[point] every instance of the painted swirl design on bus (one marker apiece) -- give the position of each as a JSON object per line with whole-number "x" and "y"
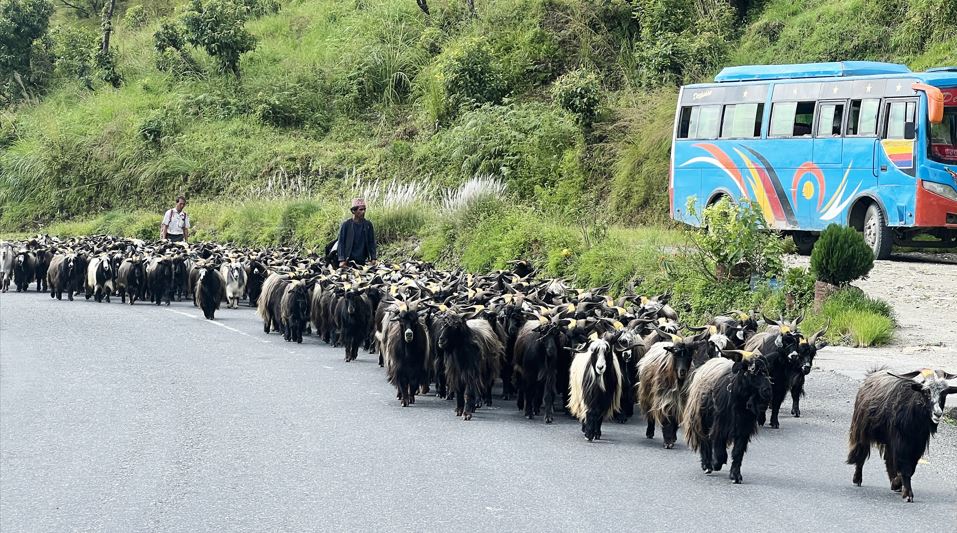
{"x": 760, "y": 183}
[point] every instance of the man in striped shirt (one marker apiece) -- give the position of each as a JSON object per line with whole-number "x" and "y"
{"x": 176, "y": 222}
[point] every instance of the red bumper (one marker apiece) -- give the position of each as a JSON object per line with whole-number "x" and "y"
{"x": 933, "y": 210}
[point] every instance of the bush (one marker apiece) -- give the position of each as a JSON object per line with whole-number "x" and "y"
{"x": 854, "y": 318}
{"x": 841, "y": 256}
{"x": 579, "y": 93}
{"x": 735, "y": 237}
{"x": 463, "y": 76}
{"x": 535, "y": 149}
{"x": 22, "y": 23}
{"x": 297, "y": 104}
{"x": 218, "y": 27}
{"x": 135, "y": 17}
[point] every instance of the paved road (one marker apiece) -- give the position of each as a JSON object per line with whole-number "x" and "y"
{"x": 115, "y": 418}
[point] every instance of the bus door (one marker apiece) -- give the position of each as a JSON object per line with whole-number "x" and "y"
{"x": 828, "y": 138}
{"x": 894, "y": 161}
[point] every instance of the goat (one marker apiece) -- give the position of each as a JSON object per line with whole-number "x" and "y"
{"x": 294, "y": 310}
{"x": 269, "y": 307}
{"x": 159, "y": 277}
{"x": 472, "y": 354}
{"x": 536, "y": 350}
{"x": 595, "y": 387}
{"x": 353, "y": 318}
{"x": 6, "y": 266}
{"x": 724, "y": 400}
{"x": 898, "y": 413}
{"x": 405, "y": 342}
{"x": 99, "y": 278}
{"x": 208, "y": 292}
{"x": 662, "y": 384}
{"x": 43, "y": 266}
{"x": 234, "y": 277}
{"x": 256, "y": 275}
{"x": 780, "y": 351}
{"x": 61, "y": 276}
{"x": 131, "y": 279}
{"x": 180, "y": 283}
{"x": 511, "y": 318}
{"x": 807, "y": 349}
{"x": 24, "y": 269}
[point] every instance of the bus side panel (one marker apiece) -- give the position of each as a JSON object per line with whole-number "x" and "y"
{"x": 894, "y": 161}
{"x": 686, "y": 182}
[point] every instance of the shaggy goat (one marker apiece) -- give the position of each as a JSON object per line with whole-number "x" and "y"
{"x": 208, "y": 292}
{"x": 405, "y": 343}
{"x": 595, "y": 387}
{"x": 131, "y": 279}
{"x": 6, "y": 266}
{"x": 294, "y": 310}
{"x": 537, "y": 348}
{"x": 99, "y": 278}
{"x": 662, "y": 384}
{"x": 61, "y": 276}
{"x": 724, "y": 400}
{"x": 472, "y": 354}
{"x": 898, "y": 413}
{"x": 270, "y": 300}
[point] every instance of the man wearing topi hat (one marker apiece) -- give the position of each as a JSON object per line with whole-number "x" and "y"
{"x": 356, "y": 237}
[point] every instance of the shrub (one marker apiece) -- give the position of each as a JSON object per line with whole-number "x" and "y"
{"x": 135, "y": 17}
{"x": 22, "y": 23}
{"x": 218, "y": 27}
{"x": 736, "y": 237}
{"x": 172, "y": 56}
{"x": 579, "y": 93}
{"x": 463, "y": 76}
{"x": 854, "y": 319}
{"x": 293, "y": 105}
{"x": 76, "y": 50}
{"x": 841, "y": 256}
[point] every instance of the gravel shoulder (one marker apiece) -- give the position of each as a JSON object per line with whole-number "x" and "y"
{"x": 922, "y": 289}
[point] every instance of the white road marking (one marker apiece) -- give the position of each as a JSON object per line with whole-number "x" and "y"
{"x": 220, "y": 324}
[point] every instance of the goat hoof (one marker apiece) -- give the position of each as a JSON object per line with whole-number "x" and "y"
{"x": 775, "y": 426}
{"x": 548, "y": 420}
{"x": 669, "y": 445}
{"x": 467, "y": 416}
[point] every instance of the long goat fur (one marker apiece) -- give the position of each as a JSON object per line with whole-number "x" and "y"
{"x": 702, "y": 383}
{"x": 584, "y": 378}
{"x": 660, "y": 396}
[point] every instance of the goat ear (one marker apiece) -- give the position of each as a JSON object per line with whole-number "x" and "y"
{"x": 734, "y": 355}
{"x": 951, "y": 389}
{"x": 948, "y": 375}
{"x": 908, "y": 375}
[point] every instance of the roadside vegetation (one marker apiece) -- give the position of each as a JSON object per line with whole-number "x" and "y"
{"x": 268, "y": 114}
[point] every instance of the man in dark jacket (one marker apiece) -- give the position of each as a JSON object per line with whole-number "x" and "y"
{"x": 356, "y": 237}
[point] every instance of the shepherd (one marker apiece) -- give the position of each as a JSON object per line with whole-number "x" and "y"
{"x": 356, "y": 241}
{"x": 176, "y": 222}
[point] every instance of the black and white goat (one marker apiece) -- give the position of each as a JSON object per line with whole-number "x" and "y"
{"x": 99, "y": 278}
{"x": 61, "y": 276}
{"x": 208, "y": 292}
{"x": 595, "y": 387}
{"x": 234, "y": 276}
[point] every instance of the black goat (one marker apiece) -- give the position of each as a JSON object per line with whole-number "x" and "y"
{"x": 353, "y": 319}
{"x": 294, "y": 310}
{"x": 61, "y": 276}
{"x": 159, "y": 277}
{"x": 405, "y": 342}
{"x": 131, "y": 279}
{"x": 256, "y": 275}
{"x": 536, "y": 367}
{"x": 24, "y": 269}
{"x": 43, "y": 266}
{"x": 898, "y": 413}
{"x": 724, "y": 400}
{"x": 807, "y": 349}
{"x": 511, "y": 318}
{"x": 472, "y": 354}
{"x": 780, "y": 352}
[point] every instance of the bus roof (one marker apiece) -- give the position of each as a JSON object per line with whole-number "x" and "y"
{"x": 839, "y": 69}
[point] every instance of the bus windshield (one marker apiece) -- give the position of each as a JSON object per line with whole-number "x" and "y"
{"x": 943, "y": 137}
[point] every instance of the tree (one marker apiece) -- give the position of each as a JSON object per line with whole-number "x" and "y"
{"x": 218, "y": 27}
{"x": 22, "y": 22}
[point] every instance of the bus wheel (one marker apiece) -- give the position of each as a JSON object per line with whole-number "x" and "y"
{"x": 876, "y": 233}
{"x": 804, "y": 240}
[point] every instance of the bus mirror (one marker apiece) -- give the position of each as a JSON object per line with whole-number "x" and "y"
{"x": 910, "y": 130}
{"x": 935, "y": 102}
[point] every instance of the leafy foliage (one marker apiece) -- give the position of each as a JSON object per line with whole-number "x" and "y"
{"x": 579, "y": 93}
{"x": 136, "y": 17}
{"x": 218, "y": 27}
{"x": 464, "y": 76}
{"x": 841, "y": 256}
{"x": 22, "y": 23}
{"x": 736, "y": 236}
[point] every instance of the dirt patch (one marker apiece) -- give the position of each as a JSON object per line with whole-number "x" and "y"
{"x": 922, "y": 289}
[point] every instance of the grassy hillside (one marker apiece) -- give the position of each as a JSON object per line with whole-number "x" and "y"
{"x": 340, "y": 89}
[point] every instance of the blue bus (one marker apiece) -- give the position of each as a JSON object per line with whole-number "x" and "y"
{"x": 865, "y": 144}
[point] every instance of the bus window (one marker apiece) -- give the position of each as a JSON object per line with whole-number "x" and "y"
{"x": 863, "y": 117}
{"x": 791, "y": 119}
{"x": 684, "y": 122}
{"x": 705, "y": 122}
{"x": 898, "y": 115}
{"x": 830, "y": 119}
{"x": 742, "y": 120}
{"x": 943, "y": 138}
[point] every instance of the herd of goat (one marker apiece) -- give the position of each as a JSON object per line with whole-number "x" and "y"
{"x": 547, "y": 342}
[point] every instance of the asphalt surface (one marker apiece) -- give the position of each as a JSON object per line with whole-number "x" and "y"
{"x": 145, "y": 418}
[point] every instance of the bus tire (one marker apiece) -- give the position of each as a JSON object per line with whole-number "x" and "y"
{"x": 876, "y": 232}
{"x": 804, "y": 241}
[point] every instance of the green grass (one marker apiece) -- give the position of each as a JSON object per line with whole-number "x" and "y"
{"x": 855, "y": 319}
